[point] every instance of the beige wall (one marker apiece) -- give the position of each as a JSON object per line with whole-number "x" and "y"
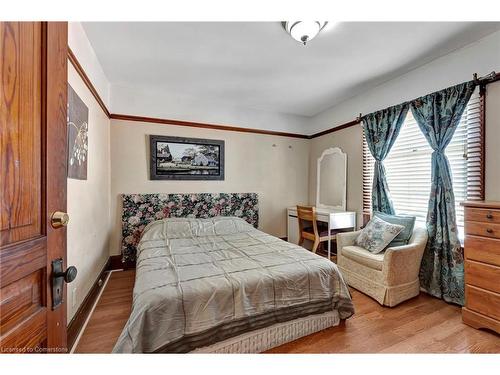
{"x": 350, "y": 141}
{"x": 88, "y": 203}
{"x": 493, "y": 142}
{"x": 278, "y": 174}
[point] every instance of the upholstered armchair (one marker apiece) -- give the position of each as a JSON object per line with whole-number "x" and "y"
{"x": 390, "y": 277}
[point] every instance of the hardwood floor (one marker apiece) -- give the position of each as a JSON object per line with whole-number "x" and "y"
{"x": 110, "y": 314}
{"x": 421, "y": 325}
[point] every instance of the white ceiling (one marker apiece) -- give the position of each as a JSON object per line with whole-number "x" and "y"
{"x": 257, "y": 65}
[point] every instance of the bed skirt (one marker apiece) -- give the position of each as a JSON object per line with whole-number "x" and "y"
{"x": 263, "y": 339}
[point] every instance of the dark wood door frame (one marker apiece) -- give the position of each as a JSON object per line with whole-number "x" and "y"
{"x": 56, "y": 165}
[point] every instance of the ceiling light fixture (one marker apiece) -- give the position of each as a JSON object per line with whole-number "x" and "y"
{"x": 303, "y": 31}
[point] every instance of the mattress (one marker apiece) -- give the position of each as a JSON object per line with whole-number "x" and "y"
{"x": 203, "y": 281}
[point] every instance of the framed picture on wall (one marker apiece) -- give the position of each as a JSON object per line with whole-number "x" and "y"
{"x": 178, "y": 158}
{"x": 78, "y": 126}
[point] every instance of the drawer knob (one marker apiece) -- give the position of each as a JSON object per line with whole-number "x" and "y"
{"x": 489, "y": 216}
{"x": 489, "y": 230}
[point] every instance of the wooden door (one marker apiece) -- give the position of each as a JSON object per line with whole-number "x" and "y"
{"x": 33, "y": 91}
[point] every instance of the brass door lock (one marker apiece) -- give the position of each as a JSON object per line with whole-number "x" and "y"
{"x": 59, "y": 219}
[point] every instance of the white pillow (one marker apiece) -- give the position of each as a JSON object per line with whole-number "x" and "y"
{"x": 377, "y": 234}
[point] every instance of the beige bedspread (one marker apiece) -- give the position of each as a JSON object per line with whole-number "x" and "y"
{"x": 199, "y": 281}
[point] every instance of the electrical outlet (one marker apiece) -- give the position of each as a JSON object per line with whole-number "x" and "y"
{"x": 73, "y": 298}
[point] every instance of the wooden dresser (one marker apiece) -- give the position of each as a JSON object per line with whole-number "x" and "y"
{"x": 482, "y": 265}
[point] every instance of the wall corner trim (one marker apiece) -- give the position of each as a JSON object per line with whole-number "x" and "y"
{"x": 78, "y": 67}
{"x": 337, "y": 128}
{"x": 163, "y": 121}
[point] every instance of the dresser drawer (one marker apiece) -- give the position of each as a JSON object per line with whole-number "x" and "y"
{"x": 482, "y": 275}
{"x": 482, "y": 214}
{"x": 482, "y": 301}
{"x": 482, "y": 249}
{"x": 478, "y": 321}
{"x": 482, "y": 229}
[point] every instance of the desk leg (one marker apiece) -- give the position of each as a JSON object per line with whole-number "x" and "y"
{"x": 329, "y": 238}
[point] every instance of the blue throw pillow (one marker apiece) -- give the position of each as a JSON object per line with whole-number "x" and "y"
{"x": 377, "y": 234}
{"x": 407, "y": 221}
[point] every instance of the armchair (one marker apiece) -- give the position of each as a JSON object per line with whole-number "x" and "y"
{"x": 390, "y": 277}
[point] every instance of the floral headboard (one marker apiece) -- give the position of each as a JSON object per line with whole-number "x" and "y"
{"x": 141, "y": 209}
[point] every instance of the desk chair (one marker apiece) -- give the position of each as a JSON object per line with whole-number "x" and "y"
{"x": 309, "y": 229}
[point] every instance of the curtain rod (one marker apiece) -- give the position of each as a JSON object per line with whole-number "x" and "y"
{"x": 488, "y": 78}
{"x": 484, "y": 80}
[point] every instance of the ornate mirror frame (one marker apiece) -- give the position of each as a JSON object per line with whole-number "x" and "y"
{"x": 332, "y": 151}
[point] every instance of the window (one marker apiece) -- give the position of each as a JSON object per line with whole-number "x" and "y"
{"x": 408, "y": 166}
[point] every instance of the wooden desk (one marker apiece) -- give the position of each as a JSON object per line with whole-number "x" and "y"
{"x": 334, "y": 218}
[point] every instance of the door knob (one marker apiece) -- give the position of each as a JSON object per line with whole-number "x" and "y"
{"x": 58, "y": 276}
{"x": 59, "y": 219}
{"x": 69, "y": 275}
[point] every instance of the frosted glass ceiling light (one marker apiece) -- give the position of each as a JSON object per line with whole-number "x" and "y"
{"x": 303, "y": 31}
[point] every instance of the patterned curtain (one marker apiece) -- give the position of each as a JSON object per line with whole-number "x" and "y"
{"x": 442, "y": 269}
{"x": 381, "y": 130}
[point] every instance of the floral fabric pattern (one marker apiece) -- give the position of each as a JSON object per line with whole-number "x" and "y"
{"x": 442, "y": 269}
{"x": 381, "y": 130}
{"x": 377, "y": 234}
{"x": 141, "y": 209}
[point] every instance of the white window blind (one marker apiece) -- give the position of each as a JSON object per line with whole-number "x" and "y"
{"x": 408, "y": 166}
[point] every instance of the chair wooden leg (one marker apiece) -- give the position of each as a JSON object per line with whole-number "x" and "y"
{"x": 315, "y": 246}
{"x": 301, "y": 241}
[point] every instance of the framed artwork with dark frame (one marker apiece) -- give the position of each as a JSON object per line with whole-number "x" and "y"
{"x": 179, "y": 158}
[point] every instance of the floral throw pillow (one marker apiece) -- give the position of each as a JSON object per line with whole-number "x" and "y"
{"x": 377, "y": 234}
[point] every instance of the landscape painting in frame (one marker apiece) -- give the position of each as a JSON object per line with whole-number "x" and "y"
{"x": 178, "y": 158}
{"x": 78, "y": 126}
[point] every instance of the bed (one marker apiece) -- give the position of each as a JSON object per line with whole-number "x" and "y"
{"x": 219, "y": 285}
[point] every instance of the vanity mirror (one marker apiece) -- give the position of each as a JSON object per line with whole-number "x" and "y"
{"x": 331, "y": 179}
